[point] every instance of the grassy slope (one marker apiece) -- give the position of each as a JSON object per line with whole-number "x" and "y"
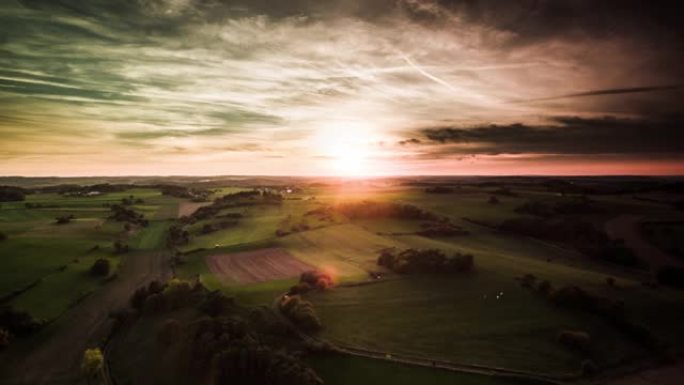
{"x": 343, "y": 370}
{"x": 61, "y": 255}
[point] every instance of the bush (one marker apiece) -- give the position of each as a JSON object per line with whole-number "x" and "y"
{"x": 575, "y": 339}
{"x": 4, "y": 338}
{"x": 100, "y": 268}
{"x": 300, "y": 312}
{"x": 672, "y": 276}
{"x": 92, "y": 363}
{"x": 18, "y": 322}
{"x": 64, "y": 219}
{"x": 589, "y": 367}
{"x": 425, "y": 261}
{"x": 544, "y": 287}
{"x": 2, "y": 236}
{"x": 528, "y": 280}
{"x": 169, "y": 332}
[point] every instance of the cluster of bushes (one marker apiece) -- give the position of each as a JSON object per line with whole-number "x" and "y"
{"x": 237, "y": 199}
{"x": 124, "y": 214}
{"x": 12, "y": 194}
{"x": 425, "y": 261}
{"x": 131, "y": 200}
{"x": 196, "y": 195}
{"x": 212, "y": 227}
{"x": 441, "y": 229}
{"x": 177, "y": 236}
{"x": 100, "y": 267}
{"x": 439, "y": 190}
{"x": 78, "y": 190}
{"x": 235, "y": 353}
{"x": 581, "y": 235}
{"x": 64, "y": 219}
{"x": 161, "y": 297}
{"x": 223, "y": 343}
{"x": 371, "y": 210}
{"x": 15, "y": 322}
{"x": 323, "y": 213}
{"x": 505, "y": 191}
{"x": 120, "y": 247}
{"x": 312, "y": 279}
{"x": 612, "y": 311}
{"x": 300, "y": 312}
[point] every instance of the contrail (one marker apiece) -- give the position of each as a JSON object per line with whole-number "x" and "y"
{"x": 428, "y": 75}
{"x": 609, "y": 91}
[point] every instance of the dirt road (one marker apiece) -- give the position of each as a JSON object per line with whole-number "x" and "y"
{"x": 57, "y": 359}
{"x": 626, "y": 227}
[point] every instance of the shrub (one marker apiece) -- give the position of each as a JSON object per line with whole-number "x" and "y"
{"x": 169, "y": 332}
{"x": 4, "y": 338}
{"x": 64, "y": 219}
{"x": 671, "y": 276}
{"x": 610, "y": 281}
{"x": 425, "y": 261}
{"x": 588, "y": 367}
{"x": 17, "y": 322}
{"x": 575, "y": 339}
{"x": 528, "y": 280}
{"x": 100, "y": 268}
{"x": 300, "y": 312}
{"x": 317, "y": 279}
{"x": 2, "y": 236}
{"x": 92, "y": 363}
{"x": 544, "y": 287}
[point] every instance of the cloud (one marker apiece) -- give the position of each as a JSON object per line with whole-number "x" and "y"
{"x": 564, "y": 135}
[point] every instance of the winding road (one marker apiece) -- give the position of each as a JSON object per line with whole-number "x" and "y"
{"x": 57, "y": 359}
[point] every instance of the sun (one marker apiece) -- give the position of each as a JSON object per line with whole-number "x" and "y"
{"x": 346, "y": 147}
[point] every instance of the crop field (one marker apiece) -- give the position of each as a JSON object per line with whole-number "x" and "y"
{"x": 255, "y": 266}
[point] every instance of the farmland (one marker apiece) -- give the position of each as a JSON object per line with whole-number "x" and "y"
{"x": 252, "y": 245}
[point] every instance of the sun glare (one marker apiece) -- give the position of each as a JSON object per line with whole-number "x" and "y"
{"x": 346, "y": 145}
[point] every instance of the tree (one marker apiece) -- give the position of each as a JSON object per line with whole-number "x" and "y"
{"x": 92, "y": 364}
{"x": 100, "y": 268}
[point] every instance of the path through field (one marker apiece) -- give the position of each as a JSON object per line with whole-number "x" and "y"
{"x": 57, "y": 359}
{"x": 626, "y": 227}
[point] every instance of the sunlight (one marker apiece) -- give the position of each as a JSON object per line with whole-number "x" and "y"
{"x": 346, "y": 145}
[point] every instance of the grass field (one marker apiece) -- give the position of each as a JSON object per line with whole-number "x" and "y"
{"x": 56, "y": 258}
{"x": 343, "y": 370}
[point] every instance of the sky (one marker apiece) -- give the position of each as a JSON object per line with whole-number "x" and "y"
{"x": 341, "y": 87}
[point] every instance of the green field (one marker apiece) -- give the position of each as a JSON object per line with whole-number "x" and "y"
{"x": 343, "y": 370}
{"x": 55, "y": 259}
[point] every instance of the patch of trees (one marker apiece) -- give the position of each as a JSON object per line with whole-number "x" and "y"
{"x": 12, "y": 194}
{"x": 196, "y": 195}
{"x": 579, "y": 234}
{"x": 439, "y": 190}
{"x": 440, "y": 229}
{"x": 612, "y": 311}
{"x": 121, "y": 213}
{"x": 3, "y": 236}
{"x": 64, "y": 219}
{"x": 162, "y": 297}
{"x": 372, "y": 210}
{"x": 672, "y": 276}
{"x": 100, "y": 268}
{"x": 582, "y": 205}
{"x": 212, "y": 227}
{"x": 238, "y": 199}
{"x": 131, "y": 200}
{"x": 224, "y": 343}
{"x": 78, "y": 190}
{"x": 312, "y": 279}
{"x": 120, "y": 247}
{"x": 17, "y": 322}
{"x": 177, "y": 236}
{"x": 425, "y": 261}
{"x": 301, "y": 312}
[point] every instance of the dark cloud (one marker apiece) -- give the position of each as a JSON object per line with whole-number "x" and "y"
{"x": 565, "y": 135}
{"x": 613, "y": 91}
